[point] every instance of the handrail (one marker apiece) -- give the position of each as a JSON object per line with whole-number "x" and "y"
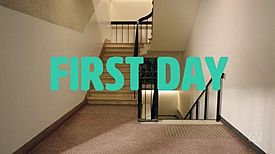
{"x": 196, "y": 104}
{"x": 197, "y": 100}
{"x": 146, "y": 17}
{"x": 136, "y": 49}
{"x": 129, "y": 22}
{"x": 154, "y": 112}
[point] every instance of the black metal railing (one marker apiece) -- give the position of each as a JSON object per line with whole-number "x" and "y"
{"x": 125, "y": 31}
{"x": 197, "y": 106}
{"x": 148, "y": 111}
{"x": 140, "y": 32}
{"x": 137, "y": 38}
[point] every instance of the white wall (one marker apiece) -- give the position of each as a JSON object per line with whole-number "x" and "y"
{"x": 26, "y": 43}
{"x": 243, "y": 30}
{"x": 172, "y": 23}
{"x": 130, "y": 9}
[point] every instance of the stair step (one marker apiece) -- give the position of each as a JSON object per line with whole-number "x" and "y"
{"x": 122, "y": 69}
{"x": 111, "y": 96}
{"x": 121, "y": 45}
{"x": 125, "y": 74}
{"x": 112, "y": 93}
{"x": 117, "y": 101}
{"x": 118, "y": 54}
{"x": 126, "y": 87}
{"x": 116, "y": 50}
{"x": 104, "y": 59}
{"x": 119, "y": 66}
{"x": 112, "y": 80}
{"x": 130, "y": 47}
{"x": 105, "y": 91}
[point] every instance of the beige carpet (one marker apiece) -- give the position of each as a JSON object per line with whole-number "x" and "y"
{"x": 113, "y": 129}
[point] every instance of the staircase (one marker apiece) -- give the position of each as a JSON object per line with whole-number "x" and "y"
{"x": 125, "y": 96}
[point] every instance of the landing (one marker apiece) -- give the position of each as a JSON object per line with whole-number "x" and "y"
{"x": 113, "y": 129}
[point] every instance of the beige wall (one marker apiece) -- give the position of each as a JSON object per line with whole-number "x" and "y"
{"x": 167, "y": 105}
{"x": 244, "y": 31}
{"x": 173, "y": 21}
{"x": 73, "y": 14}
{"x": 26, "y": 43}
{"x": 130, "y": 9}
{"x": 168, "y": 102}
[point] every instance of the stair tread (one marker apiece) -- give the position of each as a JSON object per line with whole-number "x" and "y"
{"x": 123, "y": 71}
{"x": 119, "y": 49}
{"x": 106, "y": 56}
{"x": 112, "y": 99}
{"x": 109, "y": 77}
{"x": 120, "y": 65}
{"x": 128, "y": 46}
{"x": 115, "y": 51}
{"x": 119, "y": 91}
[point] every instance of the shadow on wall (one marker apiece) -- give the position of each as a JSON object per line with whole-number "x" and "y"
{"x": 72, "y": 14}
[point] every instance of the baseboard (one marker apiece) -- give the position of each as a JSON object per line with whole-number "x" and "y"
{"x": 253, "y": 146}
{"x": 49, "y": 130}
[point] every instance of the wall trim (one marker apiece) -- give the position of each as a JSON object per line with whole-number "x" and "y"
{"x": 27, "y": 147}
{"x": 253, "y": 146}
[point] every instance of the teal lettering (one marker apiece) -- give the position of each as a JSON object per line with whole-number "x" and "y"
{"x": 216, "y": 72}
{"x": 74, "y": 78}
{"x": 94, "y": 76}
{"x": 56, "y": 73}
{"x": 134, "y": 71}
{"x": 115, "y": 73}
{"x": 189, "y": 78}
{"x": 174, "y": 73}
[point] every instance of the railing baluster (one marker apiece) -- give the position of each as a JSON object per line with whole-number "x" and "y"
{"x": 218, "y": 117}
{"x": 206, "y": 104}
{"x": 197, "y": 111}
{"x": 122, "y": 33}
{"x": 134, "y": 32}
{"x": 156, "y": 100}
{"x": 140, "y": 100}
{"x": 136, "y": 50}
{"x": 116, "y": 33}
{"x": 146, "y": 41}
{"x": 144, "y": 29}
{"x": 145, "y": 101}
{"x": 152, "y": 102}
{"x": 140, "y": 31}
{"x": 219, "y": 99}
{"x": 128, "y": 34}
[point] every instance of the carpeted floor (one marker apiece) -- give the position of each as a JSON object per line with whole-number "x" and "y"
{"x": 113, "y": 129}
